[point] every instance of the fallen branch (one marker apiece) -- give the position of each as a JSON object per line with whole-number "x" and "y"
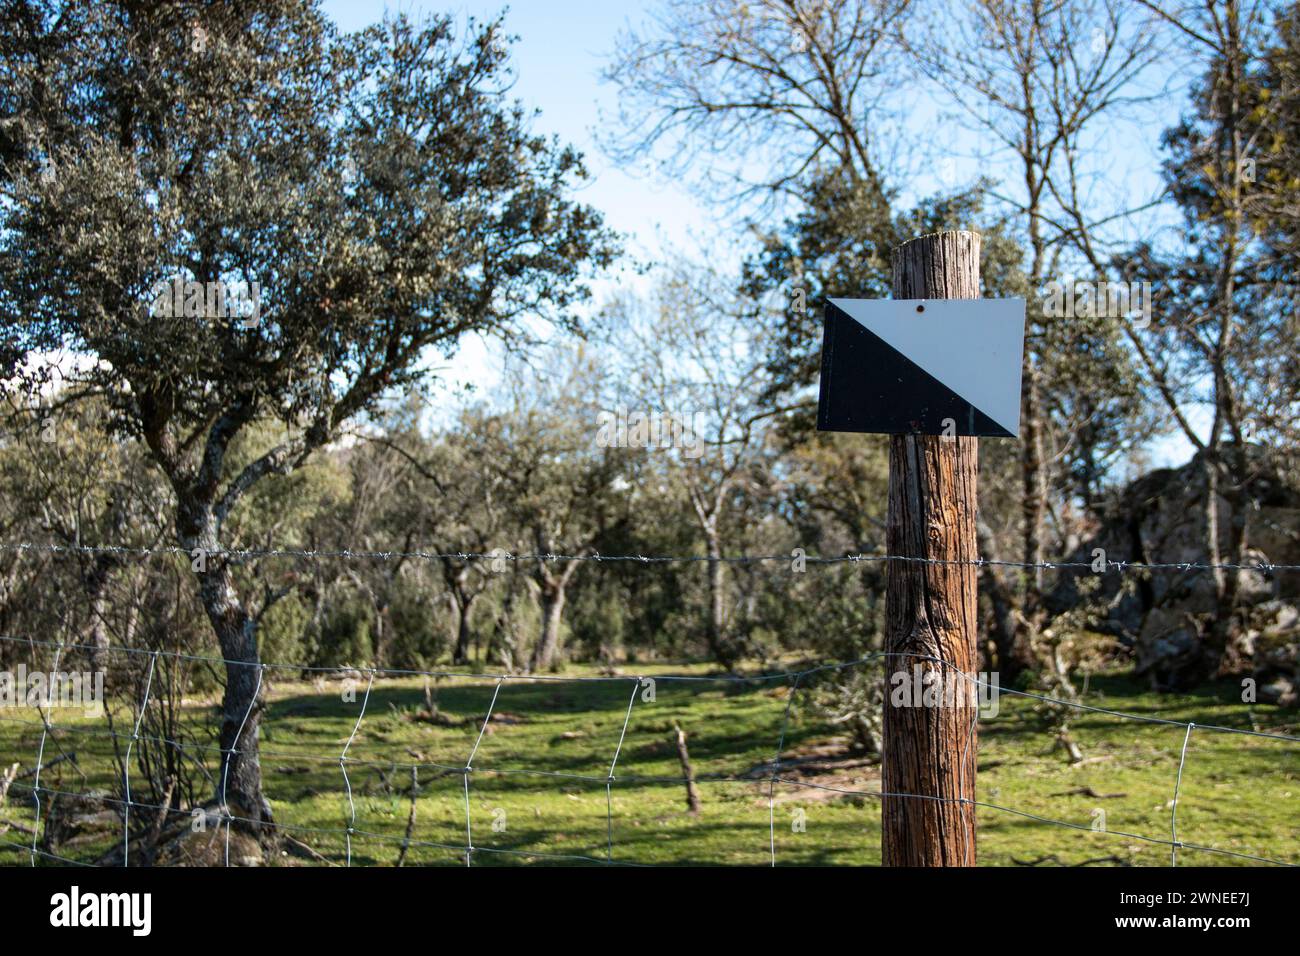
{"x": 304, "y": 849}
{"x": 1089, "y": 792}
{"x": 164, "y": 808}
{"x": 410, "y": 818}
{"x": 688, "y": 772}
{"x": 48, "y": 764}
{"x": 1055, "y": 860}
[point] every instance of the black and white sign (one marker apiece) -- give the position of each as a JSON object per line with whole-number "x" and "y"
{"x": 924, "y": 367}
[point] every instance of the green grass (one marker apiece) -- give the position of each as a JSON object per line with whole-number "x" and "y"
{"x": 538, "y": 786}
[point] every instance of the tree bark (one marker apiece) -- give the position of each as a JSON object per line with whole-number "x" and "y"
{"x": 239, "y": 778}
{"x": 931, "y": 609}
{"x": 1031, "y": 492}
{"x": 1012, "y": 649}
{"x": 716, "y": 633}
{"x": 380, "y": 647}
{"x": 553, "y": 586}
{"x": 241, "y": 704}
{"x": 96, "y": 583}
{"x": 688, "y": 772}
{"x": 552, "y": 614}
{"x": 503, "y": 638}
{"x": 1217, "y": 654}
{"x": 464, "y": 606}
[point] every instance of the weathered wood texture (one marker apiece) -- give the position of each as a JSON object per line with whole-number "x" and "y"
{"x": 929, "y": 751}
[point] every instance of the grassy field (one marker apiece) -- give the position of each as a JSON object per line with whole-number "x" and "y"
{"x": 538, "y": 790}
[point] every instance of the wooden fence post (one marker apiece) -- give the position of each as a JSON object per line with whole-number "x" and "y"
{"x": 930, "y": 609}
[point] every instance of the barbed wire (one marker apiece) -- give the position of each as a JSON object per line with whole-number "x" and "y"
{"x": 350, "y": 831}
{"x": 244, "y": 554}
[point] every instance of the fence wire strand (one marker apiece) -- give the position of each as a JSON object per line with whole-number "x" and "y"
{"x": 795, "y": 678}
{"x": 230, "y": 755}
{"x": 609, "y": 783}
{"x": 246, "y": 554}
{"x": 343, "y": 766}
{"x": 40, "y": 759}
{"x": 469, "y": 768}
{"x": 776, "y": 777}
{"x": 1178, "y": 785}
{"x": 126, "y": 764}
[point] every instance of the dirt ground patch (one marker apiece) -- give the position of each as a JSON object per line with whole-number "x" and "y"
{"x": 822, "y": 771}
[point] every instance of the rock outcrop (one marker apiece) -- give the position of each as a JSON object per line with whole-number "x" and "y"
{"x": 1165, "y": 616}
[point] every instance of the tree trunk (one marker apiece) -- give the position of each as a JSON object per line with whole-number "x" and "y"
{"x": 1031, "y": 492}
{"x": 1013, "y": 653}
{"x": 552, "y": 614}
{"x": 239, "y": 779}
{"x": 97, "y": 629}
{"x": 464, "y": 605}
{"x": 503, "y": 638}
{"x": 1216, "y": 649}
{"x": 716, "y": 632}
{"x": 1033, "y": 505}
{"x": 241, "y": 704}
{"x": 931, "y": 609}
{"x": 381, "y": 631}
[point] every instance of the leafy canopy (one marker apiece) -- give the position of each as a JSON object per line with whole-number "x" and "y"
{"x": 379, "y": 187}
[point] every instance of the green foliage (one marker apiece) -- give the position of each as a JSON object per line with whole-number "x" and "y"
{"x": 284, "y": 633}
{"x": 344, "y": 638}
{"x": 839, "y": 244}
{"x": 390, "y": 199}
{"x": 598, "y": 618}
{"x": 420, "y": 636}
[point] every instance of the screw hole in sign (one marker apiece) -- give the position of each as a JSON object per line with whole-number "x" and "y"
{"x": 920, "y": 308}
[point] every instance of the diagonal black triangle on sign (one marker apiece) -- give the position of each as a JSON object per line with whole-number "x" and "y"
{"x": 868, "y": 385}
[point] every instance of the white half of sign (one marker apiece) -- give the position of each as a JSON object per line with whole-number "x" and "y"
{"x": 973, "y": 346}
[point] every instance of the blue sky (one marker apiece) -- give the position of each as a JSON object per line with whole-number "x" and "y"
{"x": 562, "y": 45}
{"x": 561, "y": 49}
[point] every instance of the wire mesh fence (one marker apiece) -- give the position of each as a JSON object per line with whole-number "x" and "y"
{"x": 478, "y": 712}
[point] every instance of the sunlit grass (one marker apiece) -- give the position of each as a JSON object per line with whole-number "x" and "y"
{"x": 538, "y": 789}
